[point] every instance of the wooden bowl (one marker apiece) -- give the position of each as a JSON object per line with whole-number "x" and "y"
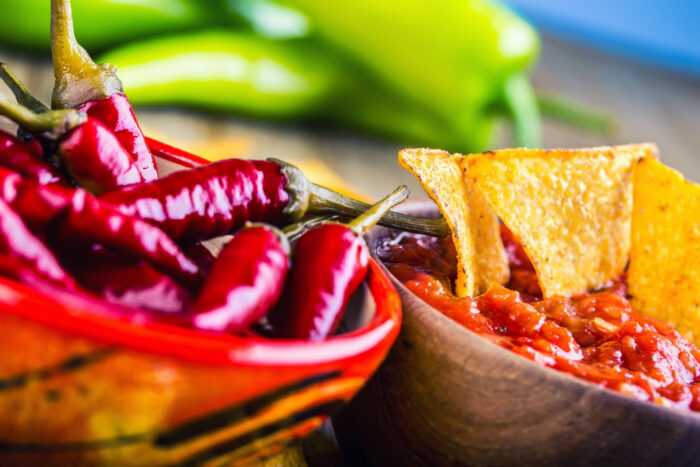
{"x": 447, "y": 397}
{"x": 80, "y": 386}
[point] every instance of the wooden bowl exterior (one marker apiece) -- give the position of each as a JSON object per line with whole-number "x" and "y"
{"x": 447, "y": 397}
{"x": 79, "y": 387}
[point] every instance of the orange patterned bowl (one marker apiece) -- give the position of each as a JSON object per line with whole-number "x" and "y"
{"x": 81, "y": 386}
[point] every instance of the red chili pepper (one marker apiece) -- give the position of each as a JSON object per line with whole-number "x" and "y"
{"x": 127, "y": 281}
{"x": 208, "y": 201}
{"x": 94, "y": 89}
{"x": 90, "y": 220}
{"x": 90, "y": 152}
{"x": 95, "y": 158}
{"x": 18, "y": 243}
{"x": 245, "y": 281}
{"x": 24, "y": 158}
{"x": 79, "y": 216}
{"x": 330, "y": 263}
{"x": 216, "y": 199}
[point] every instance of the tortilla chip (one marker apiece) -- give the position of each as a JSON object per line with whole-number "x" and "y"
{"x": 570, "y": 209}
{"x": 474, "y": 226}
{"x": 663, "y": 276}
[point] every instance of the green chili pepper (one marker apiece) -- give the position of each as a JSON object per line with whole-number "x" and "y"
{"x": 244, "y": 73}
{"x": 226, "y": 71}
{"x": 102, "y": 23}
{"x": 456, "y": 57}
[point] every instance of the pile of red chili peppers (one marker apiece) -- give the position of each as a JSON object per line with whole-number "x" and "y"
{"x": 82, "y": 208}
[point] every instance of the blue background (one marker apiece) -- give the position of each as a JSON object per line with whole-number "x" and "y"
{"x": 665, "y": 33}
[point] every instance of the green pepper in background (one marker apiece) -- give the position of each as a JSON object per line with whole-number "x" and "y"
{"x": 227, "y": 71}
{"x": 439, "y": 73}
{"x": 239, "y": 72}
{"x": 102, "y": 23}
{"x": 452, "y": 56}
{"x": 269, "y": 19}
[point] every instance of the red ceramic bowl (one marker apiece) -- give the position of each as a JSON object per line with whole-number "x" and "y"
{"x": 81, "y": 386}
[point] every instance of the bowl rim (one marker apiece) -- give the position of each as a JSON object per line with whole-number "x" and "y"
{"x": 688, "y": 416}
{"x": 85, "y": 316}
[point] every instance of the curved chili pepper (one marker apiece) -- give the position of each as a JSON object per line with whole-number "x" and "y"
{"x": 77, "y": 215}
{"x": 216, "y": 199}
{"x": 18, "y": 242}
{"x": 96, "y": 160}
{"x": 90, "y": 220}
{"x": 245, "y": 282}
{"x": 94, "y": 89}
{"x": 330, "y": 263}
{"x": 91, "y": 153}
{"x": 208, "y": 201}
{"x": 25, "y": 159}
{"x": 127, "y": 281}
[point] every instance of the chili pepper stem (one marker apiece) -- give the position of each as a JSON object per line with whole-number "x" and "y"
{"x": 55, "y": 123}
{"x": 309, "y": 199}
{"x": 369, "y": 218}
{"x": 324, "y": 201}
{"x": 78, "y": 78}
{"x": 20, "y": 91}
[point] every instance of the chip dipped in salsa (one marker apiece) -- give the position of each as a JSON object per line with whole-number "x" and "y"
{"x": 586, "y": 261}
{"x": 596, "y": 336}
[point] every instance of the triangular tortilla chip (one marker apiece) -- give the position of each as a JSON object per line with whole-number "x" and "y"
{"x": 664, "y": 271}
{"x": 474, "y": 225}
{"x": 570, "y": 209}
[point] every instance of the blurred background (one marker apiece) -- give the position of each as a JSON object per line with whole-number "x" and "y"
{"x": 338, "y": 87}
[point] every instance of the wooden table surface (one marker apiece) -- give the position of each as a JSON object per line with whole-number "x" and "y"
{"x": 648, "y": 104}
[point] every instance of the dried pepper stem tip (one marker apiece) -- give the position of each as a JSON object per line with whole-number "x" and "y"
{"x": 373, "y": 215}
{"x": 78, "y": 78}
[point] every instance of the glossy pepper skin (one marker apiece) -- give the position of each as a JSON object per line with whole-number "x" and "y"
{"x": 117, "y": 115}
{"x": 94, "y": 89}
{"x": 208, "y": 201}
{"x": 90, "y": 220}
{"x": 245, "y": 281}
{"x": 94, "y": 157}
{"x": 215, "y": 199}
{"x": 27, "y": 251}
{"x": 127, "y": 281}
{"x": 88, "y": 150}
{"x": 26, "y": 159}
{"x": 77, "y": 216}
{"x": 330, "y": 263}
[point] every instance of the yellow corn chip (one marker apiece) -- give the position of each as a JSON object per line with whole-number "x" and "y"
{"x": 664, "y": 272}
{"x": 570, "y": 209}
{"x": 474, "y": 226}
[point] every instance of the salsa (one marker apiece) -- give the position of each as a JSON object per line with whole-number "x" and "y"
{"x": 595, "y": 336}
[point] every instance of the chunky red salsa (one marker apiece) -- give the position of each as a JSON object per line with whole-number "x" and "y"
{"x": 595, "y": 336}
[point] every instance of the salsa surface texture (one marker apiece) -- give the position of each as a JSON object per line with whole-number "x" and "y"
{"x": 595, "y": 336}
